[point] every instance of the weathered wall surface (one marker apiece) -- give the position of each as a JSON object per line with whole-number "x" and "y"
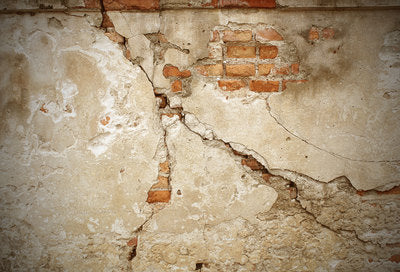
{"x": 200, "y": 135}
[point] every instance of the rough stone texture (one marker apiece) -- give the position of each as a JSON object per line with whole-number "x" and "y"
{"x": 147, "y": 154}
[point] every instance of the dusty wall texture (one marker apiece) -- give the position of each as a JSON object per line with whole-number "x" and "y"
{"x": 208, "y": 135}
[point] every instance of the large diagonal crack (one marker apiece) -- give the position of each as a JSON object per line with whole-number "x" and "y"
{"x": 274, "y": 116}
{"x": 244, "y": 153}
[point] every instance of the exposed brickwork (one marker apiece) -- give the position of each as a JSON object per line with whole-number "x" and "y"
{"x": 241, "y": 52}
{"x": 240, "y": 70}
{"x": 176, "y": 86}
{"x": 249, "y": 57}
{"x": 172, "y": 71}
{"x": 231, "y": 85}
{"x": 313, "y": 34}
{"x": 131, "y": 4}
{"x": 328, "y": 33}
{"x": 317, "y": 33}
{"x": 237, "y": 35}
{"x": 252, "y": 163}
{"x": 264, "y": 69}
{"x": 268, "y": 52}
{"x": 268, "y": 34}
{"x": 248, "y": 3}
{"x": 211, "y": 70}
{"x": 264, "y": 86}
{"x": 92, "y": 4}
{"x": 158, "y": 196}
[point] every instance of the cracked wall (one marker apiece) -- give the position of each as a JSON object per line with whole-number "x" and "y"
{"x": 199, "y": 136}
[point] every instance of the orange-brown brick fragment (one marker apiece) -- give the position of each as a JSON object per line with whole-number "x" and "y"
{"x": 115, "y": 37}
{"x": 393, "y": 191}
{"x": 176, "y": 86}
{"x": 252, "y": 163}
{"x": 313, "y": 34}
{"x": 214, "y": 36}
{"x": 231, "y": 85}
{"x": 92, "y": 4}
{"x": 210, "y": 69}
{"x": 161, "y": 184}
{"x": 164, "y": 167}
{"x": 131, "y": 4}
{"x": 268, "y": 34}
{"x": 106, "y": 21}
{"x": 237, "y": 35}
{"x": 241, "y": 52}
{"x": 172, "y": 71}
{"x": 43, "y": 109}
{"x": 240, "y": 70}
{"x": 268, "y": 52}
{"x": 248, "y": 3}
{"x": 395, "y": 258}
{"x": 132, "y": 242}
{"x": 282, "y": 70}
{"x": 266, "y": 176}
{"x": 328, "y": 33}
{"x": 105, "y": 121}
{"x": 158, "y": 196}
{"x": 295, "y": 68}
{"x": 264, "y": 86}
{"x": 264, "y": 69}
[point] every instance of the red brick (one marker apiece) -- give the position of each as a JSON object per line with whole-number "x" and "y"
{"x": 237, "y": 35}
{"x": 264, "y": 86}
{"x": 268, "y": 34}
{"x": 395, "y": 258}
{"x": 161, "y": 184}
{"x": 393, "y": 191}
{"x": 131, "y": 4}
{"x": 92, "y": 4}
{"x": 231, "y": 85}
{"x": 248, "y": 3}
{"x": 115, "y": 37}
{"x": 43, "y": 109}
{"x": 265, "y": 68}
{"x": 241, "y": 52}
{"x": 105, "y": 121}
{"x": 268, "y": 52}
{"x": 295, "y": 68}
{"x": 360, "y": 193}
{"x": 266, "y": 176}
{"x": 291, "y": 81}
{"x": 158, "y": 196}
{"x": 313, "y": 34}
{"x": 252, "y": 163}
{"x": 164, "y": 167}
{"x": 132, "y": 242}
{"x": 210, "y": 69}
{"x": 328, "y": 33}
{"x": 214, "y": 36}
{"x": 282, "y": 70}
{"x": 172, "y": 71}
{"x": 213, "y": 3}
{"x": 237, "y": 70}
{"x": 176, "y": 86}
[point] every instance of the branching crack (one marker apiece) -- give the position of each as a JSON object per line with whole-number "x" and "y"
{"x": 319, "y": 148}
